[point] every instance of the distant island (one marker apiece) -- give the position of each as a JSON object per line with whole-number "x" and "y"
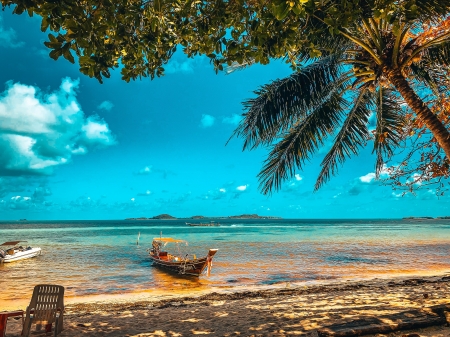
{"x": 426, "y": 218}
{"x": 252, "y": 216}
{"x": 156, "y": 217}
{"x": 170, "y": 217}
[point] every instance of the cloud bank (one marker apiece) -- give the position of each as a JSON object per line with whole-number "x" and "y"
{"x": 8, "y": 37}
{"x": 40, "y": 131}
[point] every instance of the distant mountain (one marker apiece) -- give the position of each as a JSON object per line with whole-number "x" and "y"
{"x": 242, "y": 216}
{"x": 156, "y": 217}
{"x": 164, "y": 217}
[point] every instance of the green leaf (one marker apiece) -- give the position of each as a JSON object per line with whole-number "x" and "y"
{"x": 281, "y": 10}
{"x": 55, "y": 54}
{"x": 44, "y": 24}
{"x": 68, "y": 56}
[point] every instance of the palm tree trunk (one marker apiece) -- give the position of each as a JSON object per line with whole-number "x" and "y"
{"x": 422, "y": 111}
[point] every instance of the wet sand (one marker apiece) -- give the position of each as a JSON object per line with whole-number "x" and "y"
{"x": 285, "y": 310}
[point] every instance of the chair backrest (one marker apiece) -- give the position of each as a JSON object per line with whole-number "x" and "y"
{"x": 46, "y": 300}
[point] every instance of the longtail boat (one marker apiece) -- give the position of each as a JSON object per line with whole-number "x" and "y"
{"x": 183, "y": 265}
{"x": 202, "y": 224}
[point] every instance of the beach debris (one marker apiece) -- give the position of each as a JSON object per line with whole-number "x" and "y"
{"x": 447, "y": 317}
{"x": 312, "y": 333}
{"x": 425, "y": 295}
{"x": 411, "y": 335}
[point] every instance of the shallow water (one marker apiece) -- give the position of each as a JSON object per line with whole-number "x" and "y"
{"x": 97, "y": 257}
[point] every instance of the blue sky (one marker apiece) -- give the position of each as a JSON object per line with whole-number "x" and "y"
{"x": 72, "y": 148}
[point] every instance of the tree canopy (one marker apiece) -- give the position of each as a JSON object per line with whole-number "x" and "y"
{"x": 349, "y": 58}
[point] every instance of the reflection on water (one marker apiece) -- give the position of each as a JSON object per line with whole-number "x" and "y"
{"x": 92, "y": 257}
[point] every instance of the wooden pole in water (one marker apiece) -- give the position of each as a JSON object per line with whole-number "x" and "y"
{"x": 209, "y": 260}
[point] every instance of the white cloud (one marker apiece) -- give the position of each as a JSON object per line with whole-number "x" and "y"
{"x": 233, "y": 119}
{"x": 294, "y": 185}
{"x": 8, "y": 37}
{"x": 215, "y": 194}
{"x": 145, "y": 171}
{"x": 132, "y": 199}
{"x": 242, "y": 188}
{"x": 97, "y": 131}
{"x": 416, "y": 179}
{"x": 39, "y": 131}
{"x": 207, "y": 121}
{"x": 368, "y": 178}
{"x": 397, "y": 195}
{"x": 106, "y": 105}
{"x": 17, "y": 203}
{"x": 145, "y": 194}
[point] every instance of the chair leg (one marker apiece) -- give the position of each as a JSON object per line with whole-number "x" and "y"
{"x": 27, "y": 327}
{"x": 3, "y": 320}
{"x": 59, "y": 324}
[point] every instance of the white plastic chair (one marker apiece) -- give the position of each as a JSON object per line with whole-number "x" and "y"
{"x": 46, "y": 307}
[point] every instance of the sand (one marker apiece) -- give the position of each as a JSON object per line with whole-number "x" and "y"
{"x": 284, "y": 310}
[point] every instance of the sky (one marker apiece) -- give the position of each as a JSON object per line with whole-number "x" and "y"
{"x": 72, "y": 148}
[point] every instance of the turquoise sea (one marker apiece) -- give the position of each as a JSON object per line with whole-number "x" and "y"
{"x": 102, "y": 257}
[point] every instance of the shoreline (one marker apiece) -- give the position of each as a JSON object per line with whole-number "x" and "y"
{"x": 274, "y": 311}
{"x": 145, "y": 299}
{"x": 149, "y": 296}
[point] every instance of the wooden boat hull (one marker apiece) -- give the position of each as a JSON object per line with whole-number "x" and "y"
{"x": 211, "y": 224}
{"x": 193, "y": 267}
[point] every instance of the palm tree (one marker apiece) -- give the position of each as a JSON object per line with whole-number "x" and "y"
{"x": 385, "y": 63}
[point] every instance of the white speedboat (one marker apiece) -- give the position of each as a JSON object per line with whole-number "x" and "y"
{"x": 13, "y": 252}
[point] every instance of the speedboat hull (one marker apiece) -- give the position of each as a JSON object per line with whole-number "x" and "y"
{"x": 22, "y": 254}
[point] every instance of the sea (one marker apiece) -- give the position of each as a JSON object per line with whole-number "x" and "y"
{"x": 110, "y": 257}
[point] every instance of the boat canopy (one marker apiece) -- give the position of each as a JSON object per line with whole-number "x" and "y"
{"x": 10, "y": 243}
{"x": 166, "y": 240}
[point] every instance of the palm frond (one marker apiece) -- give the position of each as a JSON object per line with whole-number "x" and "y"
{"x": 390, "y": 121}
{"x": 283, "y": 101}
{"x": 438, "y": 54}
{"x": 434, "y": 80}
{"x": 353, "y": 134}
{"x": 301, "y": 142}
{"x": 432, "y": 10}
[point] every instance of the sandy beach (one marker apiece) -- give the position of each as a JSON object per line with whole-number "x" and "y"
{"x": 287, "y": 310}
